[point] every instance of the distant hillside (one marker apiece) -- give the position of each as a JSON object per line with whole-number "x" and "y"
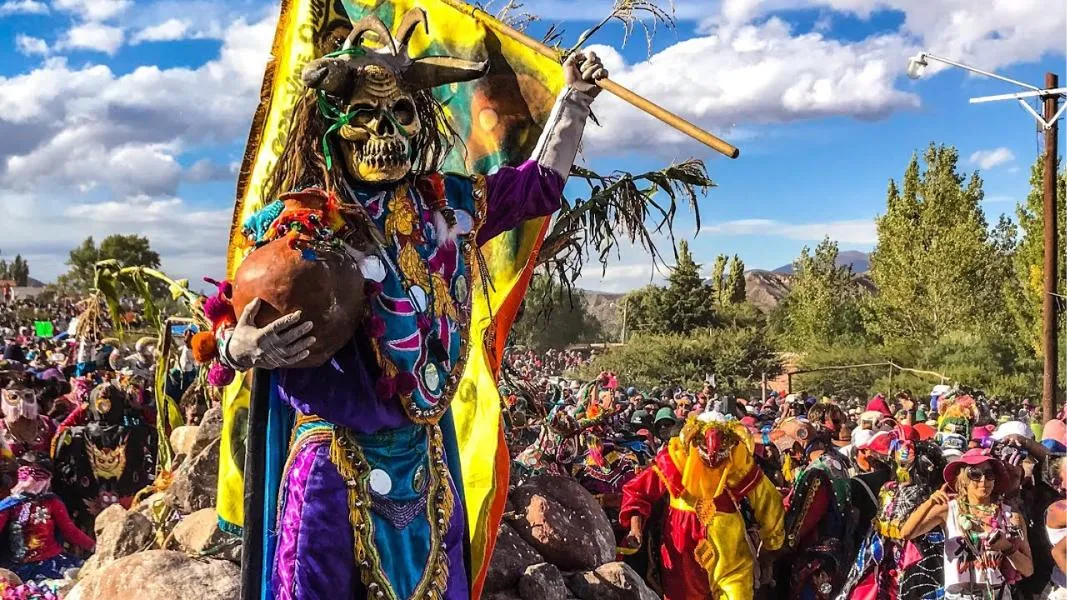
{"x": 604, "y": 307}
{"x": 859, "y": 261}
{"x": 767, "y": 289}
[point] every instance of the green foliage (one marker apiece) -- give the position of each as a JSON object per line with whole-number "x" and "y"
{"x": 1025, "y": 289}
{"x": 18, "y": 270}
{"x": 737, "y": 356}
{"x": 553, "y": 317}
{"x": 823, "y": 306}
{"x": 686, "y": 304}
{"x": 126, "y": 250}
{"x": 718, "y": 273}
{"x": 936, "y": 266}
{"x": 735, "y": 282}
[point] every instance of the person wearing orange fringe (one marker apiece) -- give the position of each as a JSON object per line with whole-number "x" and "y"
{"x": 714, "y": 494}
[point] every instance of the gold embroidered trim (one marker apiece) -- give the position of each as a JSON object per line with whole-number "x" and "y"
{"x": 347, "y": 455}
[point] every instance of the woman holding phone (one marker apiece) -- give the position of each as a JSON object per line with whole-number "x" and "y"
{"x": 986, "y": 549}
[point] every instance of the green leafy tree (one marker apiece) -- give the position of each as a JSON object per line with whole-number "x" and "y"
{"x": 718, "y": 274}
{"x": 127, "y": 250}
{"x": 20, "y": 271}
{"x": 643, "y": 310}
{"x": 737, "y": 356}
{"x": 823, "y": 305}
{"x": 688, "y": 300}
{"x": 937, "y": 267}
{"x": 1025, "y": 289}
{"x": 735, "y": 282}
{"x": 553, "y": 317}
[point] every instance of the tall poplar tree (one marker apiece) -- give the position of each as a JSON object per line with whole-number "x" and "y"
{"x": 735, "y": 281}
{"x": 937, "y": 267}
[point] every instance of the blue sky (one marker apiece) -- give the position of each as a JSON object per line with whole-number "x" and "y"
{"x": 124, "y": 116}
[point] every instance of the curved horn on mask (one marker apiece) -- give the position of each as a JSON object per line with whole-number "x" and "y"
{"x": 369, "y": 23}
{"x": 432, "y": 71}
{"x": 408, "y": 26}
{"x": 328, "y": 74}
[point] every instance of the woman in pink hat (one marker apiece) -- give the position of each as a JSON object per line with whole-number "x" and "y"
{"x": 986, "y": 548}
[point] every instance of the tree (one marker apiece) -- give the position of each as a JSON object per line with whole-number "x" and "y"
{"x": 823, "y": 306}
{"x": 552, "y": 317}
{"x": 718, "y": 272}
{"x": 737, "y": 356}
{"x": 936, "y": 266}
{"x": 128, "y": 250}
{"x": 688, "y": 300}
{"x": 1025, "y": 289}
{"x": 19, "y": 271}
{"x": 645, "y": 310}
{"x": 735, "y": 282}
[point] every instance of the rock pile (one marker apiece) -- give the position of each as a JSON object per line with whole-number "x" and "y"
{"x": 555, "y": 543}
{"x": 169, "y": 545}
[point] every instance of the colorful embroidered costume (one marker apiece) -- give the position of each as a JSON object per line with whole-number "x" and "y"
{"x": 401, "y": 521}
{"x": 32, "y": 520}
{"x": 705, "y": 551}
{"x": 818, "y": 524}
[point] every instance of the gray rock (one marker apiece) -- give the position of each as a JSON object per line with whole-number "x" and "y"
{"x": 199, "y": 535}
{"x": 511, "y": 556}
{"x": 209, "y": 430}
{"x": 564, "y": 523}
{"x": 161, "y": 575}
{"x": 195, "y": 484}
{"x": 613, "y": 581}
{"x": 503, "y": 595}
{"x": 182, "y": 439}
{"x": 111, "y": 514}
{"x": 542, "y": 582}
{"x": 126, "y": 534}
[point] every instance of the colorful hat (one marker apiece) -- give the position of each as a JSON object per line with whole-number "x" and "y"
{"x": 924, "y": 431}
{"x": 879, "y": 443}
{"x": 973, "y": 457}
{"x": 1054, "y": 436}
{"x": 665, "y": 414}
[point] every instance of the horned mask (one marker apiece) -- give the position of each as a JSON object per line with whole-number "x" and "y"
{"x": 371, "y": 95}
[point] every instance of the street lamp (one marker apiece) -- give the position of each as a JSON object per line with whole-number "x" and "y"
{"x": 1050, "y": 97}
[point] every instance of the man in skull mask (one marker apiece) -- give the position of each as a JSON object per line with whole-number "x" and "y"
{"x": 368, "y": 504}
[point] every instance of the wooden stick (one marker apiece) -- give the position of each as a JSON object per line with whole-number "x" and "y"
{"x": 619, "y": 91}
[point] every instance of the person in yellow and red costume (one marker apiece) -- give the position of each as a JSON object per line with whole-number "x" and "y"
{"x": 714, "y": 493}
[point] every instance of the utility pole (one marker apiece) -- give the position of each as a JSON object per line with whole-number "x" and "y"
{"x": 1051, "y": 376}
{"x": 1050, "y": 97}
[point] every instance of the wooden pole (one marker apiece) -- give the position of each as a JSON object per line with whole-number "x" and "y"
{"x": 643, "y": 104}
{"x": 1051, "y": 377}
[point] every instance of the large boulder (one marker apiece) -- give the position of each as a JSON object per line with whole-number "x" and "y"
{"x": 196, "y": 483}
{"x": 511, "y": 556}
{"x": 127, "y": 533}
{"x": 161, "y": 575}
{"x": 563, "y": 523}
{"x": 613, "y": 581}
{"x": 199, "y": 534}
{"x": 542, "y": 582}
{"x": 209, "y": 430}
{"x": 111, "y": 514}
{"x": 183, "y": 438}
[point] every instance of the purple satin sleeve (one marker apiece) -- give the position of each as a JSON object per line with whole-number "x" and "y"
{"x": 341, "y": 392}
{"x": 517, "y": 194}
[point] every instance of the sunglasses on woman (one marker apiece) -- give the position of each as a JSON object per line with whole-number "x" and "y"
{"x": 977, "y": 474}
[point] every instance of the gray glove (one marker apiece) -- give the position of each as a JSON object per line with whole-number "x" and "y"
{"x": 559, "y": 141}
{"x": 283, "y": 343}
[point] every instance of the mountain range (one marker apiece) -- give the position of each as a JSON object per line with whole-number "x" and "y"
{"x": 859, "y": 261}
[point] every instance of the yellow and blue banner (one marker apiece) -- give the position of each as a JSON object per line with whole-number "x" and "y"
{"x": 499, "y": 119}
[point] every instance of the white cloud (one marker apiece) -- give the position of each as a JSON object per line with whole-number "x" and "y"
{"x": 44, "y": 227}
{"x": 206, "y": 169}
{"x": 169, "y": 30}
{"x": 93, "y": 10}
{"x": 93, "y": 36}
{"x": 856, "y": 231}
{"x": 987, "y": 159}
{"x": 31, "y": 46}
{"x": 763, "y": 73}
{"x": 23, "y": 7}
{"x": 989, "y": 34}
